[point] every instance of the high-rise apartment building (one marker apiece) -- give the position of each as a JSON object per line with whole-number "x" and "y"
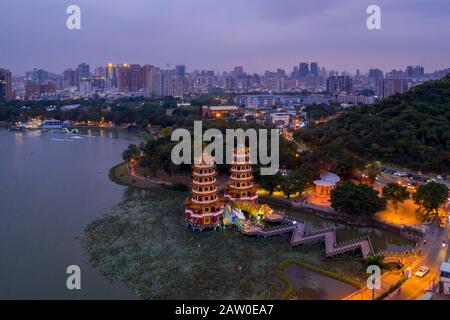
{"x": 339, "y": 84}
{"x": 388, "y": 87}
{"x": 83, "y": 72}
{"x": 396, "y": 74}
{"x": 37, "y": 76}
{"x": 315, "y": 69}
{"x": 111, "y": 76}
{"x": 5, "y": 85}
{"x": 180, "y": 70}
{"x": 136, "y": 82}
{"x": 238, "y": 72}
{"x": 70, "y": 78}
{"x": 149, "y": 78}
{"x": 414, "y": 72}
{"x": 376, "y": 74}
{"x": 123, "y": 77}
{"x": 303, "y": 69}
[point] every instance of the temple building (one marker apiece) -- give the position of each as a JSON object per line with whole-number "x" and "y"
{"x": 204, "y": 208}
{"x": 326, "y": 183}
{"x": 241, "y": 186}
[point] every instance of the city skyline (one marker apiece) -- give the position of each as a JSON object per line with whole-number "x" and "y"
{"x": 257, "y": 35}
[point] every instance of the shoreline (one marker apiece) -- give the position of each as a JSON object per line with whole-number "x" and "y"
{"x": 150, "y": 183}
{"x": 122, "y": 175}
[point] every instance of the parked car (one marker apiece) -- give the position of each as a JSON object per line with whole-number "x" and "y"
{"x": 422, "y": 272}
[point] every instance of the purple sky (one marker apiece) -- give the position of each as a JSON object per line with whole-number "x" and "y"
{"x": 210, "y": 34}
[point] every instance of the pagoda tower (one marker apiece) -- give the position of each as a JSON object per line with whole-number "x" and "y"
{"x": 204, "y": 208}
{"x": 241, "y": 186}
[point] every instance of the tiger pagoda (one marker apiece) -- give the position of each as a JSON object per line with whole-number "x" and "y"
{"x": 241, "y": 186}
{"x": 204, "y": 208}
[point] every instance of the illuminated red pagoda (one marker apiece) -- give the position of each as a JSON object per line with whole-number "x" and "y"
{"x": 241, "y": 186}
{"x": 204, "y": 208}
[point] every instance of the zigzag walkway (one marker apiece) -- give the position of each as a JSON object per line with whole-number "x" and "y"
{"x": 297, "y": 228}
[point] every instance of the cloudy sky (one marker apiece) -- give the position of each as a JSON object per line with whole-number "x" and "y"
{"x": 219, "y": 34}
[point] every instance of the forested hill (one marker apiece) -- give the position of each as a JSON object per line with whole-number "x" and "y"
{"x": 410, "y": 129}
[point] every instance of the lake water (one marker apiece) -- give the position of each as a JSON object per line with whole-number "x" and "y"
{"x": 50, "y": 188}
{"x": 52, "y": 185}
{"x": 314, "y": 286}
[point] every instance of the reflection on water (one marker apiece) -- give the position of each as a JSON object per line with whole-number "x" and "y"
{"x": 382, "y": 240}
{"x": 310, "y": 285}
{"x": 49, "y": 191}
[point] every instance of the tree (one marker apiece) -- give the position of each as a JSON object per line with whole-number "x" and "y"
{"x": 395, "y": 193}
{"x": 288, "y": 185}
{"x": 372, "y": 172}
{"x": 360, "y": 200}
{"x": 270, "y": 183}
{"x": 132, "y": 152}
{"x": 295, "y": 181}
{"x": 429, "y": 197}
{"x": 376, "y": 260}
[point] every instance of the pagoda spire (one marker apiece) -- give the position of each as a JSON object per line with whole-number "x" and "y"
{"x": 241, "y": 186}
{"x": 204, "y": 207}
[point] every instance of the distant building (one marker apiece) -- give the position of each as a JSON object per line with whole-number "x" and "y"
{"x": 269, "y": 100}
{"x": 83, "y": 71}
{"x": 303, "y": 69}
{"x": 219, "y": 112}
{"x": 5, "y": 85}
{"x": 388, "y": 87}
{"x": 280, "y": 119}
{"x": 396, "y": 74}
{"x": 135, "y": 80}
{"x": 376, "y": 74}
{"x": 355, "y": 99}
{"x": 444, "y": 283}
{"x": 100, "y": 72}
{"x": 339, "y": 84}
{"x": 33, "y": 91}
{"x": 180, "y": 70}
{"x": 315, "y": 69}
{"x": 85, "y": 87}
{"x": 70, "y": 78}
{"x": 123, "y": 77}
{"x": 238, "y": 72}
{"x": 415, "y": 72}
{"x": 37, "y": 76}
{"x": 111, "y": 76}
{"x": 149, "y": 78}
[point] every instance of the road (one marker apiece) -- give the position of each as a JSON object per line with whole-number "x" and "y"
{"x": 433, "y": 253}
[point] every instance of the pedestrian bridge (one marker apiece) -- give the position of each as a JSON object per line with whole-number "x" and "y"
{"x": 297, "y": 229}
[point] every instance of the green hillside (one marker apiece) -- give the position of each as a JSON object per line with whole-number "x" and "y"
{"x": 411, "y": 129}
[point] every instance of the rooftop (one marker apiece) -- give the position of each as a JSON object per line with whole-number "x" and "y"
{"x": 330, "y": 177}
{"x": 445, "y": 266}
{"x": 222, "y": 108}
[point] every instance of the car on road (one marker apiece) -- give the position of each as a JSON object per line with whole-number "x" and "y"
{"x": 400, "y": 174}
{"x": 422, "y": 272}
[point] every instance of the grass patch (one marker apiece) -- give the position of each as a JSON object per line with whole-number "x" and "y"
{"x": 143, "y": 242}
